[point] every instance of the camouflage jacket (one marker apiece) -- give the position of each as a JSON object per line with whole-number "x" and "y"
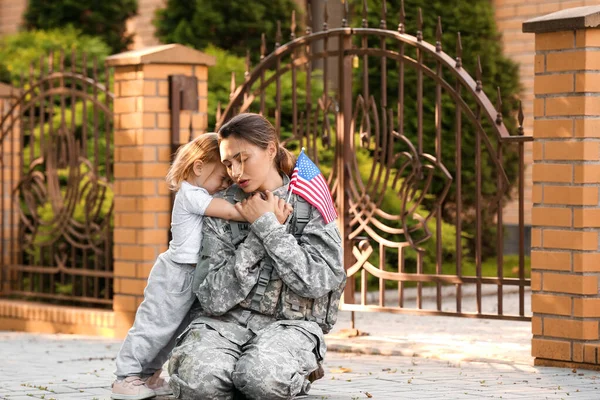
{"x": 226, "y": 273}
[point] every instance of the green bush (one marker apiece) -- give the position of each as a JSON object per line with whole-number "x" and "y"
{"x": 475, "y": 21}
{"x": 235, "y": 26}
{"x": 19, "y": 51}
{"x": 105, "y": 19}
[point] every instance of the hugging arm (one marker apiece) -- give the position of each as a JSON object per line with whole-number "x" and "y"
{"x": 311, "y": 267}
{"x": 221, "y": 208}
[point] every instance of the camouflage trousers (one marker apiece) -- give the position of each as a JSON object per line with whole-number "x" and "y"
{"x": 273, "y": 365}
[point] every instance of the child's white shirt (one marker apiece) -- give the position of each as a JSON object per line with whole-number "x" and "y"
{"x": 186, "y": 223}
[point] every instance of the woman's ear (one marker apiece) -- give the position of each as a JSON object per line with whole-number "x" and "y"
{"x": 197, "y": 167}
{"x": 272, "y": 150}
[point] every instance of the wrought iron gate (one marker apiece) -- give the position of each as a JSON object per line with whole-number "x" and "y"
{"x": 369, "y": 153}
{"x": 56, "y": 159}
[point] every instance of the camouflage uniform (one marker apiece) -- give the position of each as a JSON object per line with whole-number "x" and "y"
{"x": 229, "y": 349}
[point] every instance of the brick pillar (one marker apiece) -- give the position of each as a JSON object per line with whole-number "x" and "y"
{"x": 10, "y": 142}
{"x": 565, "y": 258}
{"x": 142, "y": 151}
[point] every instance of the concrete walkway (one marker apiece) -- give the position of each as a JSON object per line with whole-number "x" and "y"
{"x": 442, "y": 358}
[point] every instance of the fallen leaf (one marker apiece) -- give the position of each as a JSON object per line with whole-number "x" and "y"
{"x": 340, "y": 370}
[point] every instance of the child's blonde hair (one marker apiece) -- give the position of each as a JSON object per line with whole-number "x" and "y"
{"x": 204, "y": 148}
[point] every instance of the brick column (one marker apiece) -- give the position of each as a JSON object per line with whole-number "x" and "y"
{"x": 142, "y": 151}
{"x": 10, "y": 143}
{"x": 565, "y": 258}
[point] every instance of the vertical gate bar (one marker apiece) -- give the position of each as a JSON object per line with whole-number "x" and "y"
{"x": 386, "y": 147}
{"x": 84, "y": 138}
{"x": 401, "y": 133}
{"x": 500, "y": 234}
{"x": 96, "y": 163}
{"x": 365, "y": 67}
{"x": 315, "y": 129}
{"x": 478, "y": 228}
{"x": 42, "y": 102}
{"x": 308, "y": 96}
{"x": 521, "y": 228}
{"x": 294, "y": 83}
{"x": 95, "y": 109}
{"x": 438, "y": 156}
{"x": 42, "y": 142}
{"x": 32, "y": 275}
{"x": 344, "y": 152}
{"x": 73, "y": 127}
{"x": 401, "y": 269}
{"x": 19, "y": 250}
{"x": 458, "y": 161}
{"x": 419, "y": 284}
{"x": 381, "y": 280}
{"x": 263, "y": 49}
{"x": 62, "y": 120}
{"x": 419, "y": 133}
{"x": 420, "y": 101}
{"x": 51, "y": 134}
{"x": 384, "y": 78}
{"x": 294, "y": 96}
{"x": 16, "y": 176}
{"x": 278, "y": 84}
{"x": 108, "y": 172}
{"x": 84, "y": 118}
{"x": 108, "y": 103}
{"x": 325, "y": 125}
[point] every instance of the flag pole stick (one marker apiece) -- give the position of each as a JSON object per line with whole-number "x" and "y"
{"x": 290, "y": 187}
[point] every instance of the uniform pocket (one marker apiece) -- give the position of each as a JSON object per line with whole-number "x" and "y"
{"x": 292, "y": 306}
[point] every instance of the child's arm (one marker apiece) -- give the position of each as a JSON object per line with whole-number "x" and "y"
{"x": 221, "y": 208}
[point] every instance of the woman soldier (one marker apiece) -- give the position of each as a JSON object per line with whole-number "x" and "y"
{"x": 266, "y": 295}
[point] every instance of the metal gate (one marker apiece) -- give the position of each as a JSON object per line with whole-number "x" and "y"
{"x": 396, "y": 258}
{"x": 56, "y": 159}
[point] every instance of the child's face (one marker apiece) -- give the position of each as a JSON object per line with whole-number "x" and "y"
{"x": 210, "y": 176}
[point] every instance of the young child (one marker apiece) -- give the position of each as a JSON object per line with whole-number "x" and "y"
{"x": 196, "y": 174}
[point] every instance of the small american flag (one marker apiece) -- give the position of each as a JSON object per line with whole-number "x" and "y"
{"x": 308, "y": 182}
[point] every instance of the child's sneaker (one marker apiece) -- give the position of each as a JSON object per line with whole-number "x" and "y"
{"x": 131, "y": 388}
{"x": 159, "y": 385}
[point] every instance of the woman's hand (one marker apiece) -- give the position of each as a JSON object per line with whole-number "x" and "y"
{"x": 254, "y": 207}
{"x": 283, "y": 210}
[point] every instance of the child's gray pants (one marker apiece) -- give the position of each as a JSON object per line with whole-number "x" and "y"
{"x": 162, "y": 316}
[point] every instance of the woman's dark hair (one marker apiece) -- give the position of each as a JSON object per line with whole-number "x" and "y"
{"x": 257, "y": 130}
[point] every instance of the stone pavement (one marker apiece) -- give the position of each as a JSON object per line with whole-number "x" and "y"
{"x": 442, "y": 358}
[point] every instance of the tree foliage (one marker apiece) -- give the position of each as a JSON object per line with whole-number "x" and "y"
{"x": 235, "y": 26}
{"x": 106, "y": 19}
{"x": 21, "y": 50}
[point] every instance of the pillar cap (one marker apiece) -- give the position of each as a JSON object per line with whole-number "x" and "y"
{"x": 163, "y": 54}
{"x": 565, "y": 20}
